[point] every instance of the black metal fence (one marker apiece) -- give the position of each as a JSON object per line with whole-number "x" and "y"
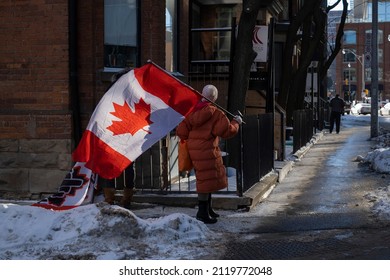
{"x": 256, "y": 150}
{"x": 158, "y": 172}
{"x": 303, "y": 128}
{"x": 157, "y": 169}
{"x": 306, "y": 122}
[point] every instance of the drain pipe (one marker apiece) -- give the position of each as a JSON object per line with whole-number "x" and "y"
{"x": 73, "y": 74}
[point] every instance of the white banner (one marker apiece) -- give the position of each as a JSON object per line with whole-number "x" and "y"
{"x": 260, "y": 42}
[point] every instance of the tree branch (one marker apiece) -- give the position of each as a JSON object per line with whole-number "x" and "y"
{"x": 332, "y": 6}
{"x": 339, "y": 36}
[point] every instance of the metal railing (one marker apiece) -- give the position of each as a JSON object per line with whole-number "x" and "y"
{"x": 257, "y": 161}
{"x": 256, "y": 150}
{"x": 303, "y": 128}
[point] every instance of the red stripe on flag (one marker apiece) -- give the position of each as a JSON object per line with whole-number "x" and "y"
{"x": 100, "y": 157}
{"x": 175, "y": 94}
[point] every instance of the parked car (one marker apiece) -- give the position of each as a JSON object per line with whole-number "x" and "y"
{"x": 365, "y": 109}
{"x": 385, "y": 110}
{"x": 356, "y": 108}
{"x": 361, "y": 109}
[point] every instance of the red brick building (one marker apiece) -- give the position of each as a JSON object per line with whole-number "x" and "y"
{"x": 57, "y": 60}
{"x": 52, "y": 74}
{"x": 356, "y": 55}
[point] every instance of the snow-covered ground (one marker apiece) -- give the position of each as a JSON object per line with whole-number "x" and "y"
{"x": 101, "y": 231}
{"x": 98, "y": 231}
{"x": 379, "y": 160}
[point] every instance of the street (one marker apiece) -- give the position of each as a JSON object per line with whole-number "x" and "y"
{"x": 321, "y": 210}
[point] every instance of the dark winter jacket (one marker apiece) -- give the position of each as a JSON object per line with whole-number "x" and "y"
{"x": 337, "y": 105}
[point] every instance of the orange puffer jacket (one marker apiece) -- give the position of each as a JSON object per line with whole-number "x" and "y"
{"x": 202, "y": 130}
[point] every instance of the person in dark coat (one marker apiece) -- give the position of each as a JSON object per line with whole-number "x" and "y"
{"x": 337, "y": 109}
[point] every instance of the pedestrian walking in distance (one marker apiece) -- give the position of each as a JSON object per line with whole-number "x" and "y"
{"x": 202, "y": 130}
{"x": 337, "y": 109}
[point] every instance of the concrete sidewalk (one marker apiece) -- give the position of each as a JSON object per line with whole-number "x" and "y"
{"x": 261, "y": 190}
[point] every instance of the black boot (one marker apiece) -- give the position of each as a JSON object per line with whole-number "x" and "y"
{"x": 203, "y": 213}
{"x": 211, "y": 211}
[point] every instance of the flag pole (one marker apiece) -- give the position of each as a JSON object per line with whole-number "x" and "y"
{"x": 212, "y": 102}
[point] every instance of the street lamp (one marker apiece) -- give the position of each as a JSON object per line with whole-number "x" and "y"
{"x": 349, "y": 82}
{"x": 360, "y": 58}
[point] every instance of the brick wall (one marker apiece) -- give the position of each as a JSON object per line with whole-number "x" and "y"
{"x": 90, "y": 42}
{"x": 34, "y": 60}
{"x": 153, "y": 31}
{"x": 35, "y": 118}
{"x": 35, "y": 122}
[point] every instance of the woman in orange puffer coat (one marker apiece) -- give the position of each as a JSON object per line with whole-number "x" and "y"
{"x": 202, "y": 130}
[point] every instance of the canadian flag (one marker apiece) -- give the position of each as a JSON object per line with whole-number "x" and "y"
{"x": 139, "y": 109}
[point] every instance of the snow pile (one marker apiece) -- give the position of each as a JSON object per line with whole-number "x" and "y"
{"x": 379, "y": 160}
{"x": 381, "y": 202}
{"x": 383, "y": 140}
{"x": 98, "y": 231}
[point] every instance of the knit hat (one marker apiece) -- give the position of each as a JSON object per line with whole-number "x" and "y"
{"x": 210, "y": 92}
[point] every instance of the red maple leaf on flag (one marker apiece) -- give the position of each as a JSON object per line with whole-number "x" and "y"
{"x": 130, "y": 122}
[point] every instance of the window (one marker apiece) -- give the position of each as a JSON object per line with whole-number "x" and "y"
{"x": 211, "y": 33}
{"x": 350, "y": 37}
{"x": 383, "y": 11}
{"x": 368, "y": 74}
{"x": 349, "y": 55}
{"x": 349, "y": 74}
{"x": 380, "y": 55}
{"x": 120, "y": 33}
{"x": 369, "y": 36}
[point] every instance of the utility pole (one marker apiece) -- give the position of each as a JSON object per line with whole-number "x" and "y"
{"x": 349, "y": 81}
{"x": 374, "y": 71}
{"x": 360, "y": 58}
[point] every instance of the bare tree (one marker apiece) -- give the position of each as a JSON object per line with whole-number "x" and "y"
{"x": 244, "y": 55}
{"x": 340, "y": 32}
{"x": 311, "y": 19}
{"x": 242, "y": 61}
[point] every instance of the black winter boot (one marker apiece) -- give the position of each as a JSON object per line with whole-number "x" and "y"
{"x": 203, "y": 213}
{"x": 211, "y": 211}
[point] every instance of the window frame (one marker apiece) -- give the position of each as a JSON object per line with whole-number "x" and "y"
{"x": 350, "y": 34}
{"x": 123, "y": 55}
